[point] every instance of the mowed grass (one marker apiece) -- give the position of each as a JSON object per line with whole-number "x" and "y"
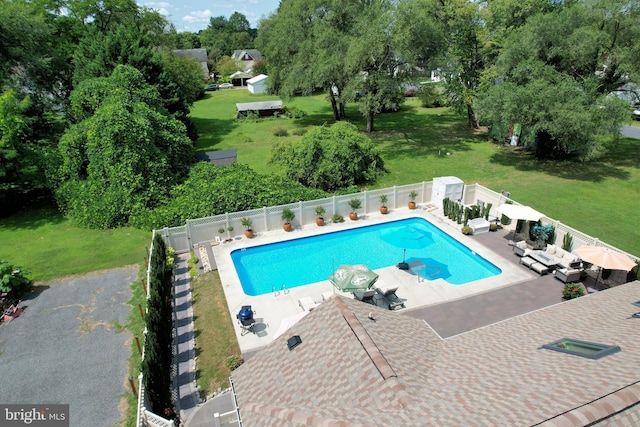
{"x": 47, "y": 245}
{"x": 417, "y": 144}
{"x": 215, "y": 337}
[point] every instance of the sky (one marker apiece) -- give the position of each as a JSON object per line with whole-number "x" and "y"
{"x": 193, "y": 15}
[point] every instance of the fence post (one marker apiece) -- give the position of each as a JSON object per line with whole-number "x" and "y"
{"x": 264, "y": 218}
{"x": 365, "y": 197}
{"x": 333, "y": 203}
{"x": 188, "y": 229}
{"x": 395, "y": 197}
{"x": 301, "y": 213}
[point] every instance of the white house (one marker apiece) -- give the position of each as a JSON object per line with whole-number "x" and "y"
{"x": 257, "y": 84}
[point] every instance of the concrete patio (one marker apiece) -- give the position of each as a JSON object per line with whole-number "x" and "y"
{"x": 515, "y": 291}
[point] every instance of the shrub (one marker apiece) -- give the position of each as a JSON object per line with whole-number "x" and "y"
{"x": 171, "y": 254}
{"x": 466, "y": 230}
{"x": 567, "y": 242}
{"x": 232, "y": 362}
{"x": 329, "y": 157}
{"x": 299, "y": 132}
{"x": 572, "y": 290}
{"x": 337, "y": 218}
{"x": 280, "y": 131}
{"x": 13, "y": 280}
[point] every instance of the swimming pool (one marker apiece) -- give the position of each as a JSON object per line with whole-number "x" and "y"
{"x": 298, "y": 262}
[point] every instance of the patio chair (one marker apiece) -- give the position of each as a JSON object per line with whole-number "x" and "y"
{"x": 386, "y": 291}
{"x": 520, "y": 248}
{"x": 365, "y": 296}
{"x": 307, "y": 303}
{"x": 568, "y": 275}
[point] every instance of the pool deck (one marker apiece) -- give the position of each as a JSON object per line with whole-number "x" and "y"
{"x": 447, "y": 308}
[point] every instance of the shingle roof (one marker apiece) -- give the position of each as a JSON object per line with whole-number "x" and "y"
{"x": 396, "y": 371}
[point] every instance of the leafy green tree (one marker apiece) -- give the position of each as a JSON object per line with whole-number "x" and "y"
{"x": 227, "y": 66}
{"x": 124, "y": 155}
{"x": 556, "y": 76}
{"x": 226, "y": 35}
{"x": 330, "y": 157}
{"x": 466, "y": 37}
{"x": 207, "y": 192}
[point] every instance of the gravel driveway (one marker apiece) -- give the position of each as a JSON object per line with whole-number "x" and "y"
{"x": 65, "y": 347}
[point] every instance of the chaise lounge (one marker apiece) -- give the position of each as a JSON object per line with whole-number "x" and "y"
{"x": 365, "y": 296}
{"x": 307, "y": 303}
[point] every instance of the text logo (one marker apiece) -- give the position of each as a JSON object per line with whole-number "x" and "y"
{"x": 34, "y": 415}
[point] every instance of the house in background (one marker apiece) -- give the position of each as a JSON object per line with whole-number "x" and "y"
{"x": 257, "y": 84}
{"x": 248, "y": 57}
{"x": 240, "y": 78}
{"x": 199, "y": 55}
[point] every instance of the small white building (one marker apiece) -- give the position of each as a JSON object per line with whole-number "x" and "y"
{"x": 257, "y": 84}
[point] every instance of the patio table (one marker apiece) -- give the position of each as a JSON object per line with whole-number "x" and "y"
{"x": 544, "y": 258}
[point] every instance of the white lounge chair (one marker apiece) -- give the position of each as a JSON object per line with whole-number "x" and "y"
{"x": 307, "y": 303}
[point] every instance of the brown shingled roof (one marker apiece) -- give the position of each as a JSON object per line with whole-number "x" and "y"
{"x": 396, "y": 371}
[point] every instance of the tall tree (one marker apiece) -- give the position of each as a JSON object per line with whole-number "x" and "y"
{"x": 557, "y": 74}
{"x": 125, "y": 153}
{"x": 332, "y": 45}
{"x": 226, "y": 35}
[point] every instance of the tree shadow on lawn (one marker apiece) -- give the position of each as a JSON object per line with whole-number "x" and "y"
{"x": 609, "y": 166}
{"x": 212, "y": 131}
{"x": 436, "y": 137}
{"x": 31, "y": 219}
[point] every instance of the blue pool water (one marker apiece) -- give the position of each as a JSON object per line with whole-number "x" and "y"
{"x": 302, "y": 261}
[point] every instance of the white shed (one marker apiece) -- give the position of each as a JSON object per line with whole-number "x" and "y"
{"x": 257, "y": 84}
{"x": 446, "y": 186}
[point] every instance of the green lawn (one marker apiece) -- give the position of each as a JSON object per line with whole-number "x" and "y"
{"x": 418, "y": 144}
{"x": 47, "y": 245}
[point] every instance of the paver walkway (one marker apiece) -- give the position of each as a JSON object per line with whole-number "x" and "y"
{"x": 188, "y": 395}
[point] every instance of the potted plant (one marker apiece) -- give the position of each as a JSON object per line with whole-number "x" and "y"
{"x": 287, "y": 217}
{"x": 383, "y": 202}
{"x": 467, "y": 231}
{"x": 354, "y": 204}
{"x": 337, "y": 218}
{"x": 572, "y": 290}
{"x": 319, "y": 215}
{"x": 412, "y": 199}
{"x": 246, "y": 223}
{"x": 230, "y": 231}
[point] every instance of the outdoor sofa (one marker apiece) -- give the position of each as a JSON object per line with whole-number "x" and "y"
{"x": 568, "y": 275}
{"x": 479, "y": 225}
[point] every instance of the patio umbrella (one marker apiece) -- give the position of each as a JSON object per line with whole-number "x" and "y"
{"x": 604, "y": 258}
{"x": 408, "y": 238}
{"x": 351, "y": 278}
{"x": 516, "y": 212}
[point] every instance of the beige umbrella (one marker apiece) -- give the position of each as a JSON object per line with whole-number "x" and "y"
{"x": 516, "y": 212}
{"x": 604, "y": 258}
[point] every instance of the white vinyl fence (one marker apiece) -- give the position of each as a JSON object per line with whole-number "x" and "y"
{"x": 205, "y": 230}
